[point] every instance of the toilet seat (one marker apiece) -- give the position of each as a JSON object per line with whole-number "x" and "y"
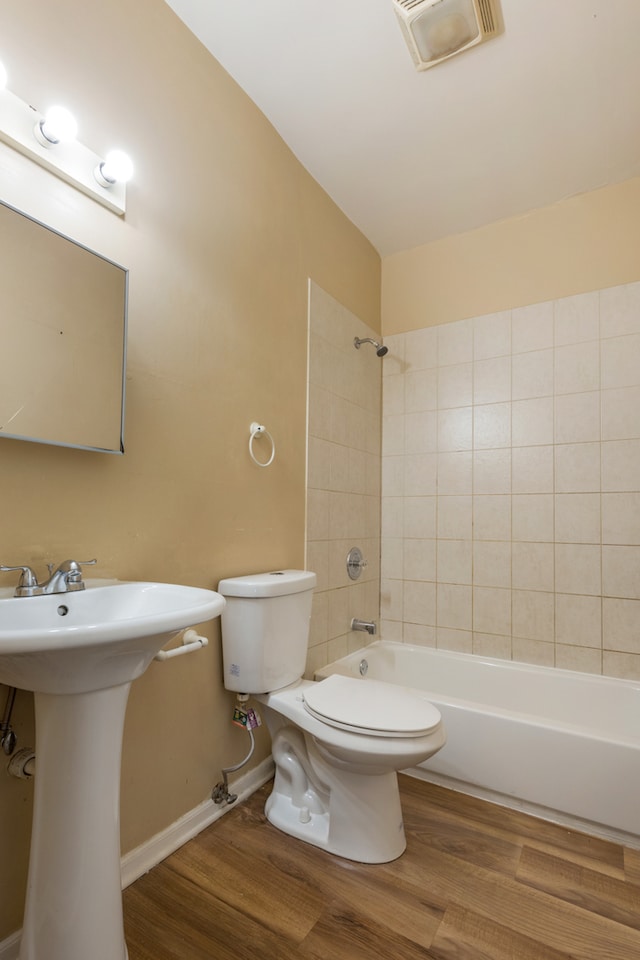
{"x": 370, "y": 707}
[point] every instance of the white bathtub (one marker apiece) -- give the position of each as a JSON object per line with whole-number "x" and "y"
{"x": 560, "y": 744}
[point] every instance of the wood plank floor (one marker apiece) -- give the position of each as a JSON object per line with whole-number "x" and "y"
{"x": 477, "y": 882}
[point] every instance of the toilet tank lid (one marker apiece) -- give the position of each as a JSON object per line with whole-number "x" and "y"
{"x": 277, "y": 583}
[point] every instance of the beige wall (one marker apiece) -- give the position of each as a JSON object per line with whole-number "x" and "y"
{"x": 581, "y": 244}
{"x": 223, "y": 229}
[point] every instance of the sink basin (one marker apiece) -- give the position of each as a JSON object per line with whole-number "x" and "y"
{"x": 94, "y": 638}
{"x": 79, "y": 652}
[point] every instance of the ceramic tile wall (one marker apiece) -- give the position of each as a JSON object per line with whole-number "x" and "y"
{"x": 343, "y": 476}
{"x": 511, "y": 484}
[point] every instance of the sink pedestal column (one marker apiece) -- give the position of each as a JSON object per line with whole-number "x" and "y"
{"x": 74, "y": 891}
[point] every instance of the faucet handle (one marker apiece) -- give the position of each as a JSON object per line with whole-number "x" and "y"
{"x": 73, "y": 564}
{"x": 73, "y": 568}
{"x": 27, "y": 577}
{"x": 28, "y": 582}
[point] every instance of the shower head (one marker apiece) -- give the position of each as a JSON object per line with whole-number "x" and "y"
{"x": 380, "y": 350}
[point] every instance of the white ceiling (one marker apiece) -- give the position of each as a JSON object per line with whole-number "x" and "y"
{"x": 548, "y": 109}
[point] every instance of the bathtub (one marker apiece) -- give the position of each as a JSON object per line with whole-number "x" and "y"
{"x": 559, "y": 744}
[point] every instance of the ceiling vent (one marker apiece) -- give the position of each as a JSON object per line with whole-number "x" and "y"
{"x": 438, "y": 29}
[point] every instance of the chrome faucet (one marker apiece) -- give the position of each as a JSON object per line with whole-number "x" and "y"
{"x": 65, "y": 579}
{"x": 367, "y": 625}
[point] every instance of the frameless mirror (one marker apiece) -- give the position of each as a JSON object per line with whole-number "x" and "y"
{"x": 63, "y": 320}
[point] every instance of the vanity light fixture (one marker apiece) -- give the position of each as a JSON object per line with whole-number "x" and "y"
{"x": 117, "y": 167}
{"x": 58, "y": 126}
{"x": 50, "y": 141}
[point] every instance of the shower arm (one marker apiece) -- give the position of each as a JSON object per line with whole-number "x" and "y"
{"x": 380, "y": 350}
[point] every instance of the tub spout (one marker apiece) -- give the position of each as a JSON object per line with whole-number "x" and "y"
{"x": 366, "y": 625}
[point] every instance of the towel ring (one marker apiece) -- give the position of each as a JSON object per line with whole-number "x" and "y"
{"x": 257, "y": 430}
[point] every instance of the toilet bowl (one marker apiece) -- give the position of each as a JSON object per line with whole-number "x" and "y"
{"x": 337, "y": 744}
{"x": 336, "y": 784}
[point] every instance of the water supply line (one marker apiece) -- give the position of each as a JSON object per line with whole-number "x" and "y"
{"x": 242, "y": 718}
{"x": 23, "y": 762}
{"x": 7, "y": 735}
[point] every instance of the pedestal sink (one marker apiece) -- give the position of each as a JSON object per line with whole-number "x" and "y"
{"x": 79, "y": 653}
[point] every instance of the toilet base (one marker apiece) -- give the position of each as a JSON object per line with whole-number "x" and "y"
{"x": 369, "y": 846}
{"x": 353, "y": 815}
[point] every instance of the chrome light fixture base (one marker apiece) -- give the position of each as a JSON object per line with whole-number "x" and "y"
{"x": 71, "y": 161}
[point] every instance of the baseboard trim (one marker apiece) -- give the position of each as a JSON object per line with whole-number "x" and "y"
{"x": 153, "y": 851}
{"x": 9, "y": 948}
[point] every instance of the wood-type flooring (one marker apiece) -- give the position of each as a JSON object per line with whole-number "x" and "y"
{"x": 477, "y": 882}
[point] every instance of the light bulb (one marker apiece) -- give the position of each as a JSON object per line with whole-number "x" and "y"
{"x": 115, "y": 168}
{"x": 58, "y": 126}
{"x": 3, "y": 76}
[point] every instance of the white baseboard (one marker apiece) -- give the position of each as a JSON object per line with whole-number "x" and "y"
{"x": 9, "y": 947}
{"x": 150, "y": 853}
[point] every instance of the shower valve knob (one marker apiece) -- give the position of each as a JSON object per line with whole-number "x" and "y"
{"x": 355, "y": 563}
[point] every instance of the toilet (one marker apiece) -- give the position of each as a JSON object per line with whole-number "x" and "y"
{"x": 337, "y": 743}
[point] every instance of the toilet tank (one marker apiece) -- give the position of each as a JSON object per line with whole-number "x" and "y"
{"x": 265, "y": 629}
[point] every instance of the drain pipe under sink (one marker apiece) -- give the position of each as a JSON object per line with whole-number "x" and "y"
{"x": 23, "y": 763}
